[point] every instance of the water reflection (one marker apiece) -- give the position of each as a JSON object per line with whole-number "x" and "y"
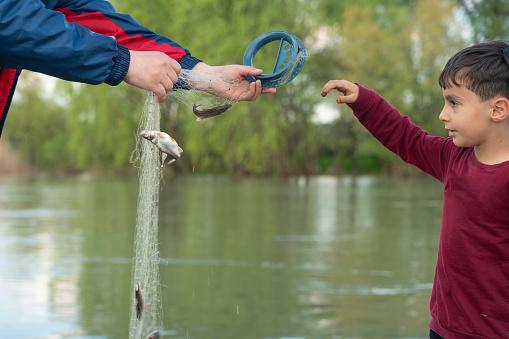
{"x": 323, "y": 257}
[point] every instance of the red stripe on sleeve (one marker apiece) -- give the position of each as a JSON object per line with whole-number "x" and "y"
{"x": 99, "y": 23}
{"x": 6, "y": 82}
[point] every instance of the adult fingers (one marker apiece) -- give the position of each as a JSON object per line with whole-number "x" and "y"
{"x": 246, "y": 70}
{"x": 167, "y": 82}
{"x": 268, "y": 90}
{"x": 160, "y": 92}
{"x": 174, "y": 70}
{"x": 255, "y": 89}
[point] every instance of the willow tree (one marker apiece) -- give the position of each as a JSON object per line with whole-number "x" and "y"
{"x": 489, "y": 19}
{"x": 271, "y": 135}
{"x": 397, "y": 50}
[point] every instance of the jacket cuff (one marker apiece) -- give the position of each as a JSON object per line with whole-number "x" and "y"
{"x": 188, "y": 61}
{"x": 120, "y": 67}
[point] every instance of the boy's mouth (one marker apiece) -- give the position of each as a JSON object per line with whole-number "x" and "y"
{"x": 451, "y": 132}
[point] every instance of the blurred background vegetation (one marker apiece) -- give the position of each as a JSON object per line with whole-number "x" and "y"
{"x": 397, "y": 48}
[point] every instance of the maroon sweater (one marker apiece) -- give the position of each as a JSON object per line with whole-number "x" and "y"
{"x": 470, "y": 297}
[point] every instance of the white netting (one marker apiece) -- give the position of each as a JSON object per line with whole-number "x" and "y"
{"x": 199, "y": 90}
{"x": 146, "y": 261}
{"x": 207, "y": 90}
{"x": 146, "y": 156}
{"x": 302, "y": 55}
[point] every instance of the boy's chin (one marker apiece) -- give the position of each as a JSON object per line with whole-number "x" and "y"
{"x": 461, "y": 143}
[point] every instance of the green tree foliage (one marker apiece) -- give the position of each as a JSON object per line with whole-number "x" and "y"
{"x": 489, "y": 19}
{"x": 270, "y": 136}
{"x": 397, "y": 49}
{"x": 35, "y": 128}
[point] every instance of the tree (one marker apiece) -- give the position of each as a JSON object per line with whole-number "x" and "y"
{"x": 489, "y": 19}
{"x": 397, "y": 50}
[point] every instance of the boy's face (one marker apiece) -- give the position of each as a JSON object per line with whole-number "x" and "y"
{"x": 466, "y": 117}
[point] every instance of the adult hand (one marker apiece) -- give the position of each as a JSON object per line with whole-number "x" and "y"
{"x": 350, "y": 91}
{"x": 241, "y": 90}
{"x": 153, "y": 71}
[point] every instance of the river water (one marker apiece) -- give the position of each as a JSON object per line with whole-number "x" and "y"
{"x": 261, "y": 258}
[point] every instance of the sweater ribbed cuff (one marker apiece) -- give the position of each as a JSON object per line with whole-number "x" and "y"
{"x": 120, "y": 67}
{"x": 364, "y": 101}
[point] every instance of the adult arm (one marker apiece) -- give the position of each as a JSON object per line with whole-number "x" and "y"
{"x": 35, "y": 37}
{"x": 100, "y": 17}
{"x": 41, "y": 40}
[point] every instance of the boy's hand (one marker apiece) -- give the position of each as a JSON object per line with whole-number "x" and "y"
{"x": 153, "y": 71}
{"x": 350, "y": 91}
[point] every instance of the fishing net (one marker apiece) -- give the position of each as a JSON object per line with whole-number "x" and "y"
{"x": 145, "y": 271}
{"x": 197, "y": 90}
{"x": 146, "y": 156}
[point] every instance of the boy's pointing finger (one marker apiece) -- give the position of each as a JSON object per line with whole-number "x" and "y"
{"x": 332, "y": 84}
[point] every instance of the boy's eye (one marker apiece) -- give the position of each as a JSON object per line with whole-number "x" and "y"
{"x": 454, "y": 103}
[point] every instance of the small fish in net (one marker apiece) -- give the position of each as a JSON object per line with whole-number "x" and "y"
{"x": 166, "y": 144}
{"x": 153, "y": 335}
{"x": 201, "y": 91}
{"x": 144, "y": 318}
{"x": 206, "y": 113}
{"x": 138, "y": 293}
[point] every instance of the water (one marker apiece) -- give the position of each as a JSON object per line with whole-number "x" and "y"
{"x": 328, "y": 257}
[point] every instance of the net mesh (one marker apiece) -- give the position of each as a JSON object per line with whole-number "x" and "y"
{"x": 196, "y": 88}
{"x": 206, "y": 90}
{"x": 288, "y": 76}
{"x": 146, "y": 261}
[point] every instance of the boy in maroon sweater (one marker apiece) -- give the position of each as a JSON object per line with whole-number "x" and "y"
{"x": 470, "y": 297}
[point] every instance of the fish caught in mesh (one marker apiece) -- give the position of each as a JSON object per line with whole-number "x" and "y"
{"x": 206, "y": 113}
{"x": 153, "y": 335}
{"x": 205, "y": 92}
{"x": 146, "y": 310}
{"x": 166, "y": 144}
{"x": 138, "y": 293}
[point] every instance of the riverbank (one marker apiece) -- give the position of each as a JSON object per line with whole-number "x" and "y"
{"x": 10, "y": 161}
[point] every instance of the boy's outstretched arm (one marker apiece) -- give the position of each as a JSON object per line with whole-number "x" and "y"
{"x": 350, "y": 91}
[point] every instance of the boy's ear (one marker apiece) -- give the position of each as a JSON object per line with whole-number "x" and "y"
{"x": 500, "y": 109}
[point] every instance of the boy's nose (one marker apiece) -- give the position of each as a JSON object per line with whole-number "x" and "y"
{"x": 443, "y": 116}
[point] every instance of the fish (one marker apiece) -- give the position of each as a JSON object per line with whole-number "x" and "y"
{"x": 153, "y": 335}
{"x": 138, "y": 293}
{"x": 206, "y": 113}
{"x": 166, "y": 144}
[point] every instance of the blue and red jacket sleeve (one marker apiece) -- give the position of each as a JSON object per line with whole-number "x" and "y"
{"x": 81, "y": 40}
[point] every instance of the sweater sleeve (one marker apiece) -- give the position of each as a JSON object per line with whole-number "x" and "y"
{"x": 398, "y": 134}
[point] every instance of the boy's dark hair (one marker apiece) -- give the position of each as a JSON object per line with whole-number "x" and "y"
{"x": 482, "y": 68}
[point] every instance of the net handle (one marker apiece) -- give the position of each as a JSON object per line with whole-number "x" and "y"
{"x": 289, "y": 60}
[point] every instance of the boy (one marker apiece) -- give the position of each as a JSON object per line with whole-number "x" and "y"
{"x": 470, "y": 297}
